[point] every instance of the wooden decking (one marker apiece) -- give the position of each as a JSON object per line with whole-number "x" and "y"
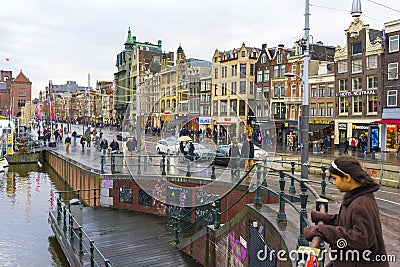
{"x": 129, "y": 238}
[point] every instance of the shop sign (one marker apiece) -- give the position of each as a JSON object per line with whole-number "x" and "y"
{"x": 321, "y": 122}
{"x": 342, "y": 126}
{"x": 204, "y": 120}
{"x": 228, "y": 119}
{"x": 359, "y": 127}
{"x": 356, "y": 93}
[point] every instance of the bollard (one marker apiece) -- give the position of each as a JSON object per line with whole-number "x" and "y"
{"x": 323, "y": 182}
{"x": 302, "y": 241}
{"x": 281, "y": 213}
{"x": 257, "y": 198}
{"x": 292, "y": 189}
{"x": 91, "y": 242}
{"x": 80, "y": 241}
{"x": 112, "y": 163}
{"x": 176, "y": 229}
{"x": 217, "y": 223}
{"x": 163, "y": 165}
{"x": 138, "y": 164}
{"x": 188, "y": 170}
{"x": 237, "y": 169}
{"x": 264, "y": 182}
{"x": 213, "y": 170}
{"x": 94, "y": 198}
{"x": 102, "y": 163}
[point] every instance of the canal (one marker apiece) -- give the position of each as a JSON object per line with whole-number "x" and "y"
{"x": 25, "y": 199}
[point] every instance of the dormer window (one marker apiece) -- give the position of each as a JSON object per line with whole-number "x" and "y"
{"x": 243, "y": 53}
{"x": 279, "y": 58}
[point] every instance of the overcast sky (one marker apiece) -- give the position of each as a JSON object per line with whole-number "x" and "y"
{"x": 62, "y": 40}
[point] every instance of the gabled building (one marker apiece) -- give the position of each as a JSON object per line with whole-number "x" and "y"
{"x": 391, "y": 89}
{"x": 21, "y": 93}
{"x": 359, "y": 79}
{"x": 233, "y": 93}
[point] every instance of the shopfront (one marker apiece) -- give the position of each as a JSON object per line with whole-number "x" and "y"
{"x": 359, "y": 129}
{"x": 342, "y": 127}
{"x": 205, "y": 125}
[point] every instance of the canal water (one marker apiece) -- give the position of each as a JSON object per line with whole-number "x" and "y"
{"x": 26, "y": 238}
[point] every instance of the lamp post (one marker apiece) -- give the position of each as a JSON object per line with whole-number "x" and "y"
{"x": 304, "y": 127}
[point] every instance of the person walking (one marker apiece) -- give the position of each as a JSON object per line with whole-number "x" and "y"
{"x": 114, "y": 145}
{"x": 88, "y": 140}
{"x": 104, "y": 146}
{"x": 83, "y": 142}
{"x": 357, "y": 227}
{"x": 67, "y": 142}
{"x": 191, "y": 151}
{"x": 74, "y": 134}
{"x": 181, "y": 152}
{"x": 248, "y": 153}
{"x": 234, "y": 154}
{"x": 346, "y": 146}
{"x": 130, "y": 145}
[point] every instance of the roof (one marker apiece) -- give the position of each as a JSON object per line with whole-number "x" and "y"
{"x": 21, "y": 78}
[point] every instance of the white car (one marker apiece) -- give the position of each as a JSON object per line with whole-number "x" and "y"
{"x": 123, "y": 136}
{"x": 166, "y": 147}
{"x": 258, "y": 152}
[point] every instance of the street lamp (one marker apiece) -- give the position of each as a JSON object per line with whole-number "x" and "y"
{"x": 304, "y": 127}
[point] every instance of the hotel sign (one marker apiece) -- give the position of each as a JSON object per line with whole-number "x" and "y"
{"x": 320, "y": 122}
{"x": 356, "y": 93}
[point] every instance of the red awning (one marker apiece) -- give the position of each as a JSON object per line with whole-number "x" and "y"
{"x": 225, "y": 122}
{"x": 389, "y": 121}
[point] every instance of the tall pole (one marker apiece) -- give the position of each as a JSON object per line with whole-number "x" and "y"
{"x": 305, "y": 107}
{"x": 88, "y": 99}
{"x": 138, "y": 135}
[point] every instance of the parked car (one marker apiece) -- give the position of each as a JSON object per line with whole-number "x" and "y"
{"x": 123, "y": 136}
{"x": 203, "y": 153}
{"x": 222, "y": 154}
{"x": 169, "y": 147}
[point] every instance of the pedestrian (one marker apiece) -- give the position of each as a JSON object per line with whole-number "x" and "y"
{"x": 67, "y": 142}
{"x": 346, "y": 146}
{"x": 114, "y": 145}
{"x": 88, "y": 139}
{"x": 357, "y": 227}
{"x": 248, "y": 153}
{"x": 130, "y": 145}
{"x": 74, "y": 134}
{"x": 234, "y": 154}
{"x": 83, "y": 142}
{"x": 191, "y": 151}
{"x": 135, "y": 143}
{"x": 181, "y": 152}
{"x": 104, "y": 146}
{"x": 353, "y": 144}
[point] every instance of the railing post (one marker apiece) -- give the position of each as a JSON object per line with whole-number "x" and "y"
{"x": 80, "y": 241}
{"x": 59, "y": 206}
{"x": 264, "y": 182}
{"x": 102, "y": 163}
{"x": 107, "y": 262}
{"x": 112, "y": 163}
{"x": 213, "y": 170}
{"x": 257, "y": 198}
{"x": 188, "y": 169}
{"x": 163, "y": 165}
{"x": 168, "y": 162}
{"x": 217, "y": 223}
{"x": 94, "y": 197}
{"x": 302, "y": 241}
{"x": 176, "y": 230}
{"x": 323, "y": 182}
{"x": 91, "y": 242}
{"x": 138, "y": 165}
{"x": 71, "y": 225}
{"x": 292, "y": 189}
{"x": 65, "y": 218}
{"x": 238, "y": 169}
{"x": 318, "y": 203}
{"x": 78, "y": 193}
{"x": 281, "y": 213}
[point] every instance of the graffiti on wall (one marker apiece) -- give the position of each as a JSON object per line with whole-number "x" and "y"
{"x": 159, "y": 197}
{"x": 373, "y": 173}
{"x": 238, "y": 246}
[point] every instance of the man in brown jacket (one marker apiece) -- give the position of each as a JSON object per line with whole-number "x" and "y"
{"x": 355, "y": 234}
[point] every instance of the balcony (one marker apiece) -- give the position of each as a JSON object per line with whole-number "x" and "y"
{"x": 292, "y": 100}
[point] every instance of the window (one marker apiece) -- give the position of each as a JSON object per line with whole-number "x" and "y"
{"x": 279, "y": 60}
{"x": 224, "y": 72}
{"x": 313, "y": 108}
{"x": 293, "y": 93}
{"x": 223, "y": 107}
{"x": 233, "y": 107}
{"x": 357, "y": 104}
{"x": 263, "y": 58}
{"x": 321, "y": 90}
{"x": 21, "y": 93}
{"x": 233, "y": 89}
{"x": 392, "y": 98}
{"x": 283, "y": 67}
{"x": 243, "y": 53}
{"x": 294, "y": 69}
{"x": 21, "y": 103}
{"x": 393, "y": 71}
{"x": 372, "y": 62}
{"x": 242, "y": 70}
{"x": 356, "y": 65}
{"x": 234, "y": 70}
{"x": 242, "y": 107}
{"x": 276, "y": 90}
{"x": 329, "y": 110}
{"x": 313, "y": 91}
{"x": 372, "y": 103}
{"x": 372, "y": 82}
{"x": 343, "y": 85}
{"x": 259, "y": 93}
{"x": 224, "y": 87}
{"x": 251, "y": 88}
{"x": 216, "y": 90}
{"x": 266, "y": 75}
{"x": 321, "y": 110}
{"x": 215, "y": 108}
{"x": 276, "y": 71}
{"x": 282, "y": 89}
{"x": 259, "y": 76}
{"x": 393, "y": 43}
{"x": 343, "y": 105}
{"x": 243, "y": 87}
{"x": 251, "y": 69}
{"x": 357, "y": 84}
{"x": 342, "y": 66}
{"x": 279, "y": 110}
{"x": 331, "y": 90}
{"x": 356, "y": 48}
{"x": 216, "y": 74}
